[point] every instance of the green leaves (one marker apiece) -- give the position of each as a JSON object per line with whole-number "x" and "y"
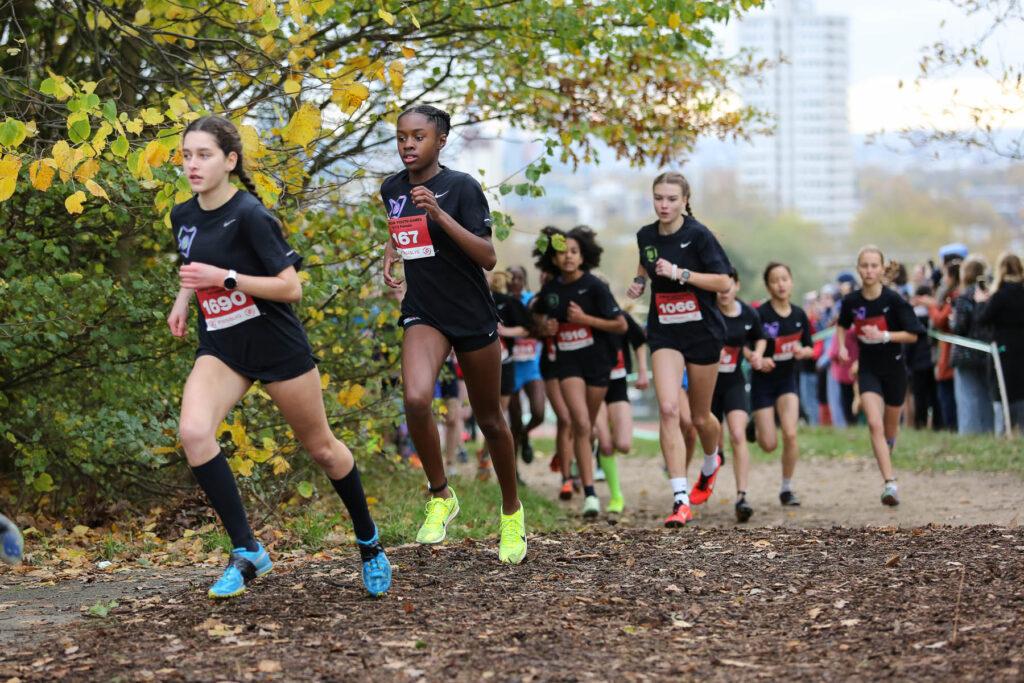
{"x": 12, "y": 133}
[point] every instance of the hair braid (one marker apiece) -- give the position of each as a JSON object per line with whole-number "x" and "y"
{"x": 689, "y": 211}
{"x": 246, "y": 180}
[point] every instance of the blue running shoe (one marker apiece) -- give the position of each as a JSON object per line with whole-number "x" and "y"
{"x": 376, "y": 567}
{"x": 243, "y": 566}
{"x": 11, "y": 544}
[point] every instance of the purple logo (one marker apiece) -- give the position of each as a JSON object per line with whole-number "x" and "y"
{"x": 186, "y": 236}
{"x": 771, "y": 330}
{"x": 860, "y": 313}
{"x": 396, "y": 206}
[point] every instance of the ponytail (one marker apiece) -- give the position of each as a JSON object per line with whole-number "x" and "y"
{"x": 243, "y": 176}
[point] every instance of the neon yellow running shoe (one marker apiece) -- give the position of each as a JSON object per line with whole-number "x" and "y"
{"x": 512, "y": 531}
{"x": 440, "y": 511}
{"x": 616, "y": 504}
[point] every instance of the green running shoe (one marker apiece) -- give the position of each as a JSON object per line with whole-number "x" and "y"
{"x": 616, "y": 504}
{"x": 440, "y": 511}
{"x": 512, "y": 532}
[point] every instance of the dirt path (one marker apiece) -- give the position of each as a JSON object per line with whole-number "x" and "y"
{"x": 624, "y": 604}
{"x": 833, "y": 492}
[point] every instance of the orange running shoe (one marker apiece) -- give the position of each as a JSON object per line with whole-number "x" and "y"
{"x": 566, "y": 492}
{"x": 705, "y": 485}
{"x": 680, "y": 516}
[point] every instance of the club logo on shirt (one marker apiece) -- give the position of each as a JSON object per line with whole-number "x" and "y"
{"x": 551, "y": 300}
{"x": 651, "y": 254}
{"x": 771, "y": 330}
{"x": 186, "y": 236}
{"x": 860, "y": 313}
{"x": 395, "y": 206}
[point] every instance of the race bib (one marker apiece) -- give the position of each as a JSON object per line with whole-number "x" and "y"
{"x": 729, "y": 359}
{"x": 223, "y": 308}
{"x": 504, "y": 350}
{"x": 677, "y": 307}
{"x": 619, "y": 371}
{"x": 573, "y": 337}
{"x": 878, "y": 321}
{"x": 786, "y": 346}
{"x": 549, "y": 349}
{"x": 411, "y": 237}
{"x": 525, "y": 349}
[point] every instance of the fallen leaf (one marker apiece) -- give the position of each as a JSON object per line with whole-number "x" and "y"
{"x": 269, "y": 666}
{"x": 672, "y": 588}
{"x": 893, "y": 561}
{"x": 849, "y": 622}
{"x": 840, "y": 604}
{"x": 814, "y": 612}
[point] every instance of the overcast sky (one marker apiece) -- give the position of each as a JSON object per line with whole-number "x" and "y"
{"x": 886, "y": 41}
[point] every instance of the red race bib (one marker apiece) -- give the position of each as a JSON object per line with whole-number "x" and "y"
{"x": 411, "y": 237}
{"x": 729, "y": 359}
{"x": 525, "y": 349}
{"x": 573, "y": 337}
{"x": 786, "y": 346}
{"x": 549, "y": 349}
{"x": 223, "y": 308}
{"x": 878, "y": 321}
{"x": 677, "y": 307}
{"x": 619, "y": 371}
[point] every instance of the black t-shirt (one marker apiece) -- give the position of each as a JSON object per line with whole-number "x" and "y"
{"x": 678, "y": 308}
{"x": 250, "y": 334}
{"x": 513, "y": 314}
{"x": 635, "y": 337}
{"x": 580, "y": 342}
{"x": 888, "y": 312}
{"x": 784, "y": 336}
{"x": 741, "y": 331}
{"x": 446, "y": 288}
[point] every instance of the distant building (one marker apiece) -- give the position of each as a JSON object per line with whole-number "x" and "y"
{"x": 807, "y": 166}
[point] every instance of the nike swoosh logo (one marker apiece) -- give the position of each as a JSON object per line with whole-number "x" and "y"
{"x": 491, "y": 334}
{"x": 747, "y": 327}
{"x": 227, "y": 223}
{"x": 684, "y": 245}
{"x": 582, "y": 291}
{"x": 438, "y": 196}
{"x": 885, "y": 310}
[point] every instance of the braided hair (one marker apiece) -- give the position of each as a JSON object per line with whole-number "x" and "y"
{"x": 228, "y": 139}
{"x": 441, "y": 119}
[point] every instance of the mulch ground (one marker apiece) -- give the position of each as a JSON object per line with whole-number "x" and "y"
{"x": 933, "y": 603}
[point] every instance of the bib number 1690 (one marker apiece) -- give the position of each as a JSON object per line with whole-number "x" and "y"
{"x": 223, "y": 304}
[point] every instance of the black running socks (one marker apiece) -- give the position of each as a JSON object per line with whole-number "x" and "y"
{"x": 350, "y": 488}
{"x": 589, "y": 491}
{"x": 218, "y": 483}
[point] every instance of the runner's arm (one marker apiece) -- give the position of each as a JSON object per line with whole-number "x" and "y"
{"x": 284, "y": 287}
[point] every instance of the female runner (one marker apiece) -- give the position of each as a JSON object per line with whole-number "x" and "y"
{"x": 687, "y": 266}
{"x": 440, "y": 227}
{"x": 241, "y": 271}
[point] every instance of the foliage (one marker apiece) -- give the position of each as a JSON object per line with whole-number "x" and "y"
{"x": 1004, "y": 21}
{"x": 97, "y": 94}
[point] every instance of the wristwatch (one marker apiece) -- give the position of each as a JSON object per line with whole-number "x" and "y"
{"x": 684, "y": 275}
{"x": 886, "y": 337}
{"x": 231, "y": 281}
{"x": 640, "y": 280}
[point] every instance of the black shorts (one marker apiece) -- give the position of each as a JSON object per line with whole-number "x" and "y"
{"x": 766, "y": 388}
{"x": 460, "y": 344}
{"x": 727, "y": 398}
{"x": 701, "y": 351}
{"x": 508, "y": 378}
{"x": 618, "y": 391}
{"x": 594, "y": 374}
{"x": 291, "y": 369}
{"x": 891, "y": 385}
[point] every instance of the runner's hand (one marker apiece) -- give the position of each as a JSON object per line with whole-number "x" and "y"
{"x": 642, "y": 381}
{"x": 177, "y": 320}
{"x": 574, "y": 313}
{"x": 844, "y": 354}
{"x": 425, "y": 199}
{"x": 201, "y": 276}
{"x": 804, "y": 352}
{"x": 636, "y": 290}
{"x": 767, "y": 365}
{"x": 549, "y": 328}
{"x": 390, "y": 259}
{"x": 664, "y": 268}
{"x": 872, "y": 333}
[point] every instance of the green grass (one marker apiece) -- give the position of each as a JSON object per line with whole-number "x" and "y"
{"x": 399, "y": 493}
{"x": 915, "y": 450}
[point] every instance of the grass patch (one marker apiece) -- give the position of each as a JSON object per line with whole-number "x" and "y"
{"x": 915, "y": 450}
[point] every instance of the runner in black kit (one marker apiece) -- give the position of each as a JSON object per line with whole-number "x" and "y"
{"x": 238, "y": 266}
{"x": 687, "y": 266}
{"x": 730, "y": 402}
{"x": 773, "y": 386}
{"x": 440, "y": 227}
{"x": 580, "y": 311}
{"x": 882, "y": 322}
{"x": 561, "y": 461}
{"x": 617, "y": 410}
